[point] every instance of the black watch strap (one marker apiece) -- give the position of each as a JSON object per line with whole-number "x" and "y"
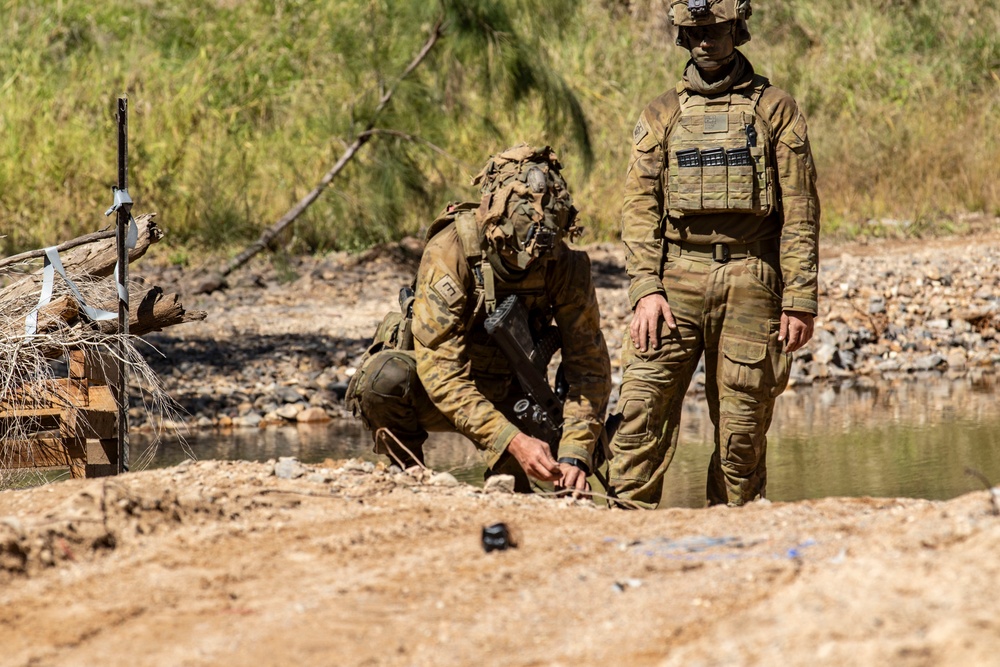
{"x": 577, "y": 463}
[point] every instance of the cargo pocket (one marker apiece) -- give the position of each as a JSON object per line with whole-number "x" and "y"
{"x": 633, "y": 446}
{"x": 743, "y": 366}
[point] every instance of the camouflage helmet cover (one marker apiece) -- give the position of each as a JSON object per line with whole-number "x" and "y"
{"x": 526, "y": 207}
{"x": 689, "y": 13}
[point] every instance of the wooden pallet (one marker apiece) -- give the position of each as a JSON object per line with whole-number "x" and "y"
{"x": 74, "y": 423}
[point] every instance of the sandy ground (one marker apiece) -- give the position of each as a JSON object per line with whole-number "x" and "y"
{"x": 226, "y": 564}
{"x": 217, "y": 563}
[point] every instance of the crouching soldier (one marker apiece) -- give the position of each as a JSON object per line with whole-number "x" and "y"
{"x": 434, "y": 366}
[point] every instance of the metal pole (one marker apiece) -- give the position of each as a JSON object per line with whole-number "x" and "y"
{"x": 123, "y": 314}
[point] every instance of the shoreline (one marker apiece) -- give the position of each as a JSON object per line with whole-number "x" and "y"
{"x": 279, "y": 346}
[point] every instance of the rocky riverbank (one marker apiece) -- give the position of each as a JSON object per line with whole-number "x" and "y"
{"x": 280, "y": 344}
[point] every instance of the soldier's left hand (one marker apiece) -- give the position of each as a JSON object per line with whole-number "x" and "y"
{"x": 572, "y": 478}
{"x": 796, "y": 329}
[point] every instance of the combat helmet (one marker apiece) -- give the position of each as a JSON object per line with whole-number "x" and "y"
{"x": 526, "y": 208}
{"x": 689, "y": 13}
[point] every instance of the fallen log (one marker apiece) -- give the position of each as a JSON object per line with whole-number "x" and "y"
{"x": 91, "y": 258}
{"x": 150, "y": 309}
{"x": 95, "y": 258}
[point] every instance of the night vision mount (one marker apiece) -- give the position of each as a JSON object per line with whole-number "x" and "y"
{"x": 697, "y": 8}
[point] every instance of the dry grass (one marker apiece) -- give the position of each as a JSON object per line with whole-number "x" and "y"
{"x": 32, "y": 365}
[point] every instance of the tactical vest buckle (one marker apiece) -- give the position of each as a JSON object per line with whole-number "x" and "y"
{"x": 720, "y": 253}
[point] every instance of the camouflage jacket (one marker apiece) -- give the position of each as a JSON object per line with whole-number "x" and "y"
{"x": 465, "y": 373}
{"x": 647, "y": 222}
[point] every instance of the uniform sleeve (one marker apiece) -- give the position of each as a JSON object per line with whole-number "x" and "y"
{"x": 642, "y": 207}
{"x": 800, "y": 210}
{"x": 585, "y": 360}
{"x": 443, "y": 293}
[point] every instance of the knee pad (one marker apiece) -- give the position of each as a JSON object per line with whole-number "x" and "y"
{"x": 393, "y": 374}
{"x": 382, "y": 389}
{"x": 742, "y": 453}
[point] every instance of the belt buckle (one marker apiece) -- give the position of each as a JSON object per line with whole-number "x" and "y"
{"x": 720, "y": 253}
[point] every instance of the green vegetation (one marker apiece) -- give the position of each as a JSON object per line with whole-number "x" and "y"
{"x": 237, "y": 108}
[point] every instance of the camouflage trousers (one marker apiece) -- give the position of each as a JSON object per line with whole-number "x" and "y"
{"x": 730, "y": 312}
{"x": 388, "y": 397}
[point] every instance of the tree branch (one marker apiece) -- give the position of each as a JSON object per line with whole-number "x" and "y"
{"x": 360, "y": 140}
{"x": 34, "y": 254}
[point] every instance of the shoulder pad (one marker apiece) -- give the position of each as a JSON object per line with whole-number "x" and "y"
{"x": 447, "y": 216}
{"x": 468, "y": 233}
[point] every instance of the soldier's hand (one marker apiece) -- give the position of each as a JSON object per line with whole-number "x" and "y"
{"x": 572, "y": 478}
{"x": 796, "y": 329}
{"x": 535, "y": 458}
{"x": 645, "y": 327}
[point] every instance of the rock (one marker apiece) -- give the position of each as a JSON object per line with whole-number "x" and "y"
{"x": 499, "y": 484}
{"x": 249, "y": 420}
{"x": 443, "y": 479}
{"x": 288, "y": 467}
{"x": 358, "y": 466}
{"x": 289, "y": 395}
{"x": 876, "y": 305}
{"x": 956, "y": 359}
{"x": 846, "y": 359}
{"x": 825, "y": 354}
{"x": 289, "y": 411}
{"x": 312, "y": 415}
{"x": 938, "y": 324}
{"x": 928, "y": 362}
{"x": 887, "y": 365}
{"x": 208, "y": 282}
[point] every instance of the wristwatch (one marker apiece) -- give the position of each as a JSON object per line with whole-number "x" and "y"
{"x": 576, "y": 463}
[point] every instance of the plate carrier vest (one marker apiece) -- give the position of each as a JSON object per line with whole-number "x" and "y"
{"x": 720, "y": 155}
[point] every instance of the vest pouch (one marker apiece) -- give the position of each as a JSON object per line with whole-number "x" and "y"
{"x": 685, "y": 180}
{"x": 741, "y": 179}
{"x": 387, "y": 332}
{"x": 714, "y": 180}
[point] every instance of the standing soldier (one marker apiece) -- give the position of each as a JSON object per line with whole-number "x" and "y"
{"x": 720, "y": 222}
{"x": 453, "y": 376}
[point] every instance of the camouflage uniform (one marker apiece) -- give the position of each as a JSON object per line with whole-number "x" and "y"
{"x": 721, "y": 216}
{"x": 456, "y": 377}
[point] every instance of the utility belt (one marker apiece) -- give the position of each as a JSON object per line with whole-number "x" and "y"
{"x": 722, "y": 252}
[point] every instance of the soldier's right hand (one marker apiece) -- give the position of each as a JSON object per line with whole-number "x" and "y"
{"x": 535, "y": 458}
{"x": 645, "y": 327}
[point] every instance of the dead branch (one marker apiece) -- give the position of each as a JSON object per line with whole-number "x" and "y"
{"x": 95, "y": 258}
{"x": 360, "y": 140}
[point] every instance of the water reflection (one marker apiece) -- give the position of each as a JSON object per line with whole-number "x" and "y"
{"x": 912, "y": 439}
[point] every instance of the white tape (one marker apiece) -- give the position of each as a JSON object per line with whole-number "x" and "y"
{"x": 52, "y": 266}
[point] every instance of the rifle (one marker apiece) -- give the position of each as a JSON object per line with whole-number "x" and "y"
{"x": 541, "y": 413}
